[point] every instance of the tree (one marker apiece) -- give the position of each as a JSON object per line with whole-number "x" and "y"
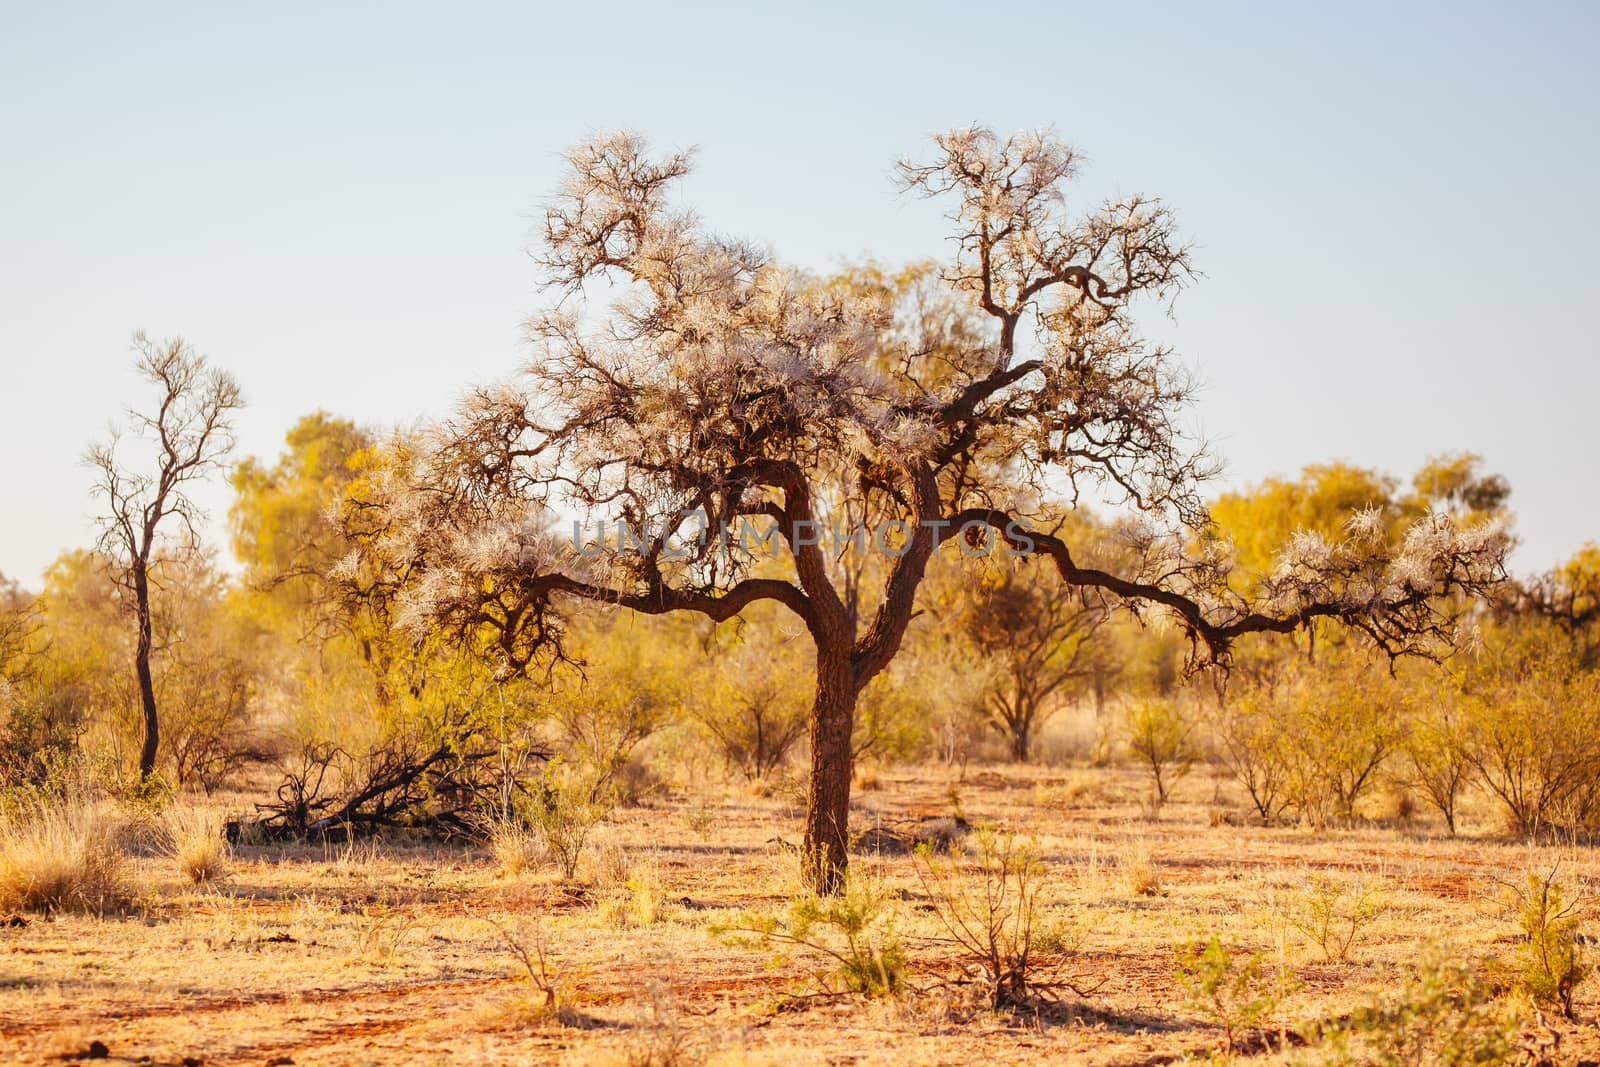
{"x": 189, "y": 434}
{"x": 719, "y": 393}
{"x": 1161, "y": 740}
{"x": 744, "y": 696}
{"x": 1041, "y": 635}
{"x": 19, "y": 612}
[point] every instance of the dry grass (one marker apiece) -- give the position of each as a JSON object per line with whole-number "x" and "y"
{"x": 59, "y": 855}
{"x": 515, "y": 848}
{"x": 1137, "y": 870}
{"x": 394, "y": 954}
{"x": 197, "y": 840}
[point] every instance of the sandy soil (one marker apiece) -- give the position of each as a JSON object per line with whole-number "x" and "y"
{"x": 388, "y": 953}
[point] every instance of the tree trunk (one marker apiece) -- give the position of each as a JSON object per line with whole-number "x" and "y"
{"x": 141, "y": 664}
{"x": 827, "y": 833}
{"x": 1021, "y": 742}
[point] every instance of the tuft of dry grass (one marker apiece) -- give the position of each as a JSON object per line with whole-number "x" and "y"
{"x": 516, "y": 848}
{"x": 197, "y": 838}
{"x": 59, "y": 855}
{"x": 1140, "y": 875}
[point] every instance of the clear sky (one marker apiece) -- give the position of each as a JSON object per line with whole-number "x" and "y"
{"x": 1394, "y": 210}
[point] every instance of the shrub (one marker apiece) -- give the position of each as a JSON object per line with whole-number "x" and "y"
{"x": 1443, "y": 1014}
{"x": 58, "y": 854}
{"x": 197, "y": 839}
{"x": 565, "y": 808}
{"x": 1436, "y": 748}
{"x": 1535, "y": 742}
{"x": 1316, "y": 740}
{"x": 852, "y": 936}
{"x": 1251, "y": 747}
{"x": 990, "y": 913}
{"x": 1229, "y": 990}
{"x": 550, "y": 981}
{"x": 1334, "y": 912}
{"x": 662, "y": 1040}
{"x": 1551, "y": 960}
{"x": 1160, "y": 739}
{"x": 753, "y": 710}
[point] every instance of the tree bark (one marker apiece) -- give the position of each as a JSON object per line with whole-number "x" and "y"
{"x": 141, "y": 664}
{"x": 827, "y": 833}
{"x": 1022, "y": 743}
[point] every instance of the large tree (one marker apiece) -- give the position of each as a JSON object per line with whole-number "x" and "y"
{"x": 185, "y": 436}
{"x": 716, "y": 388}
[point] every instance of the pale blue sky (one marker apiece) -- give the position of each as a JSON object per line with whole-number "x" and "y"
{"x": 1394, "y": 211}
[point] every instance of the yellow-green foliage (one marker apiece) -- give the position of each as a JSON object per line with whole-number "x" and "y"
{"x": 566, "y": 807}
{"x": 852, "y": 937}
{"x": 1228, "y": 988}
{"x": 1441, "y": 1012}
{"x": 1551, "y": 960}
{"x": 1160, "y": 740}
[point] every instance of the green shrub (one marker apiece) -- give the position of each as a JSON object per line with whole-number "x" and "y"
{"x": 852, "y": 936}
{"x": 1160, "y": 739}
{"x": 1551, "y": 962}
{"x": 566, "y": 807}
{"x": 1334, "y": 911}
{"x": 1228, "y": 989}
{"x": 1443, "y": 1014}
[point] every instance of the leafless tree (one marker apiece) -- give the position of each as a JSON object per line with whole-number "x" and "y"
{"x": 718, "y": 389}
{"x": 188, "y": 435}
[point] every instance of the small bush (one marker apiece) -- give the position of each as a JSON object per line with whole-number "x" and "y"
{"x": 1228, "y": 989}
{"x": 1443, "y": 1014}
{"x": 565, "y": 809}
{"x": 990, "y": 913}
{"x": 58, "y": 855}
{"x": 549, "y": 981}
{"x": 852, "y": 936}
{"x": 380, "y": 933}
{"x": 1160, "y": 740}
{"x": 1253, "y": 749}
{"x": 1551, "y": 961}
{"x": 662, "y": 1040}
{"x": 1334, "y": 912}
{"x": 197, "y": 839}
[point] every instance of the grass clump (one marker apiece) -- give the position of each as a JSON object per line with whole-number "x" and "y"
{"x": 58, "y": 854}
{"x": 197, "y": 839}
{"x": 516, "y": 848}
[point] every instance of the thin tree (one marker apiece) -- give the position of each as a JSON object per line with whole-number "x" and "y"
{"x": 188, "y": 435}
{"x": 1041, "y": 638}
{"x": 718, "y": 393}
